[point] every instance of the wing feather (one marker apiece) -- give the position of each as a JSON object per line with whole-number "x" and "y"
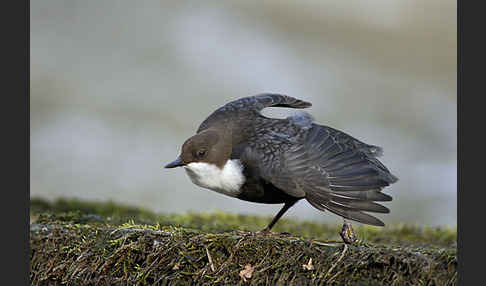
{"x": 331, "y": 169}
{"x": 250, "y": 107}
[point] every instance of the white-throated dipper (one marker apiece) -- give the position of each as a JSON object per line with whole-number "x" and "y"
{"x": 240, "y": 153}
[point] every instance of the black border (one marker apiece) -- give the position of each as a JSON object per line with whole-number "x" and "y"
{"x": 24, "y": 67}
{"x": 460, "y": 253}
{"x": 27, "y": 124}
{"x": 15, "y": 141}
{"x": 471, "y": 147}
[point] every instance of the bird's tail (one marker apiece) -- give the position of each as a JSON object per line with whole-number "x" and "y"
{"x": 351, "y": 205}
{"x": 355, "y": 178}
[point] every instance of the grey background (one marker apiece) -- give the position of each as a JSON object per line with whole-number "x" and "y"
{"x": 117, "y": 86}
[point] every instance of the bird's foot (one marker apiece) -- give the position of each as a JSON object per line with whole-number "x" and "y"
{"x": 262, "y": 232}
{"x": 242, "y": 232}
{"x": 347, "y": 233}
{"x": 266, "y": 232}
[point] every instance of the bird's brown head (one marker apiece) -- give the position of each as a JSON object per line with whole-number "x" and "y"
{"x": 208, "y": 146}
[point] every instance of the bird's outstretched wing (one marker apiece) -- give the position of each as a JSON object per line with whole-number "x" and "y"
{"x": 248, "y": 108}
{"x": 330, "y": 169}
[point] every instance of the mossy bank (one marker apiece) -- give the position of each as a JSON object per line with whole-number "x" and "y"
{"x": 82, "y": 243}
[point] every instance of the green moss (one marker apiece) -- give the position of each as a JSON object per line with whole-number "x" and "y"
{"x": 117, "y": 214}
{"x": 98, "y": 244}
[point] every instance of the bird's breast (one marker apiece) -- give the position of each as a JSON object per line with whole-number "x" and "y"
{"x": 227, "y": 180}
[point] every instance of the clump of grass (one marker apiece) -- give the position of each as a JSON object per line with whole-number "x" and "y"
{"x": 75, "y": 242}
{"x": 217, "y": 221}
{"x": 76, "y": 249}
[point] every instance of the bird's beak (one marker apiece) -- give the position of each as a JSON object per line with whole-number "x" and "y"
{"x": 176, "y": 163}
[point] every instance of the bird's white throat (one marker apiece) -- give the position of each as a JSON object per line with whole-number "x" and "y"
{"x": 227, "y": 180}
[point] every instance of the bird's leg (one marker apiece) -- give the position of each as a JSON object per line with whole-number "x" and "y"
{"x": 285, "y": 208}
{"x": 347, "y": 233}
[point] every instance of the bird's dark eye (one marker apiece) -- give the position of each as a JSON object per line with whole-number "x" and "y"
{"x": 201, "y": 153}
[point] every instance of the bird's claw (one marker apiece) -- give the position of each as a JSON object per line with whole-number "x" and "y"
{"x": 347, "y": 233}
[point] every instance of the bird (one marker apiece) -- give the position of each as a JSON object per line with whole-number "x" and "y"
{"x": 240, "y": 153}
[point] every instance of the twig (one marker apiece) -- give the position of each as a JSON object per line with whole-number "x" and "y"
{"x": 330, "y": 243}
{"x": 337, "y": 261}
{"x": 210, "y": 260}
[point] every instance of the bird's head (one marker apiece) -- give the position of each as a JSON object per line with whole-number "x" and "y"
{"x": 208, "y": 146}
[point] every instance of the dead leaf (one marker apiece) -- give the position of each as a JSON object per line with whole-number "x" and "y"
{"x": 176, "y": 266}
{"x": 247, "y": 272}
{"x": 309, "y": 265}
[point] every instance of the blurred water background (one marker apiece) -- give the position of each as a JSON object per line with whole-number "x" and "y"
{"x": 117, "y": 86}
